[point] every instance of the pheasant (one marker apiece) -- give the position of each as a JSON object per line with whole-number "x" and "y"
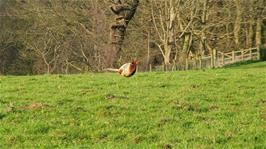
{"x": 126, "y": 70}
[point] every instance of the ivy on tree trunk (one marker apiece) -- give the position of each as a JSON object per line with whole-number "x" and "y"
{"x": 124, "y": 13}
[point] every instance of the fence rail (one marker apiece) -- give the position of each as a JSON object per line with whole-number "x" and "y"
{"x": 217, "y": 59}
{"x": 226, "y": 58}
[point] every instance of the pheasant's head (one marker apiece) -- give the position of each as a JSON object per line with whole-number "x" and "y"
{"x": 136, "y": 62}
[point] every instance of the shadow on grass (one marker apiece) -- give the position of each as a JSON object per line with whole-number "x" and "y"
{"x": 248, "y": 65}
{"x": 2, "y": 116}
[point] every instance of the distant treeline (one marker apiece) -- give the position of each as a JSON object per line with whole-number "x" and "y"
{"x": 69, "y": 36}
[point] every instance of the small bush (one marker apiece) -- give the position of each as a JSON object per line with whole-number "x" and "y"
{"x": 263, "y": 53}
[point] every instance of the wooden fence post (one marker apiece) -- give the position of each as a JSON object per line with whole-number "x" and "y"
{"x": 258, "y": 53}
{"x": 233, "y": 56}
{"x": 222, "y": 58}
{"x": 250, "y": 54}
{"x": 242, "y": 54}
{"x": 194, "y": 64}
{"x": 214, "y": 58}
{"x": 200, "y": 64}
{"x": 186, "y": 63}
{"x": 148, "y": 48}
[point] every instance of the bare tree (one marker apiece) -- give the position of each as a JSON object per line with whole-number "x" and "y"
{"x": 73, "y": 36}
{"x": 164, "y": 23}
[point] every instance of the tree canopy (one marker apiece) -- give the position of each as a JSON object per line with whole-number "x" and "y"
{"x": 66, "y": 36}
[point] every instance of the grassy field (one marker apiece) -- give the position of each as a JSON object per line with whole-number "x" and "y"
{"x": 217, "y": 108}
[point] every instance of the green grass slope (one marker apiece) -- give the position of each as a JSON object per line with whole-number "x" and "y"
{"x": 217, "y": 108}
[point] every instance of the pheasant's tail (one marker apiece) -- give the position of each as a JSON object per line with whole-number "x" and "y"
{"x": 112, "y": 69}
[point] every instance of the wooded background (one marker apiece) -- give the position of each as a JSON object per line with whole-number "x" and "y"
{"x": 73, "y": 36}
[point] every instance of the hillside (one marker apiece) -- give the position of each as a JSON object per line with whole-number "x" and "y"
{"x": 217, "y": 108}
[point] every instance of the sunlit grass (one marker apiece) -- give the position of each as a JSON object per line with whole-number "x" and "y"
{"x": 218, "y": 108}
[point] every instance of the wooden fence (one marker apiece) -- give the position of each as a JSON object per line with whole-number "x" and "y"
{"x": 237, "y": 56}
{"x": 217, "y": 59}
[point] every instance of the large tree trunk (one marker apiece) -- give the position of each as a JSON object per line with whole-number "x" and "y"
{"x": 237, "y": 26}
{"x": 170, "y": 39}
{"x": 167, "y": 49}
{"x": 202, "y": 46}
{"x": 259, "y": 21}
{"x": 124, "y": 13}
{"x": 258, "y": 32}
{"x": 184, "y": 52}
{"x": 250, "y": 34}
